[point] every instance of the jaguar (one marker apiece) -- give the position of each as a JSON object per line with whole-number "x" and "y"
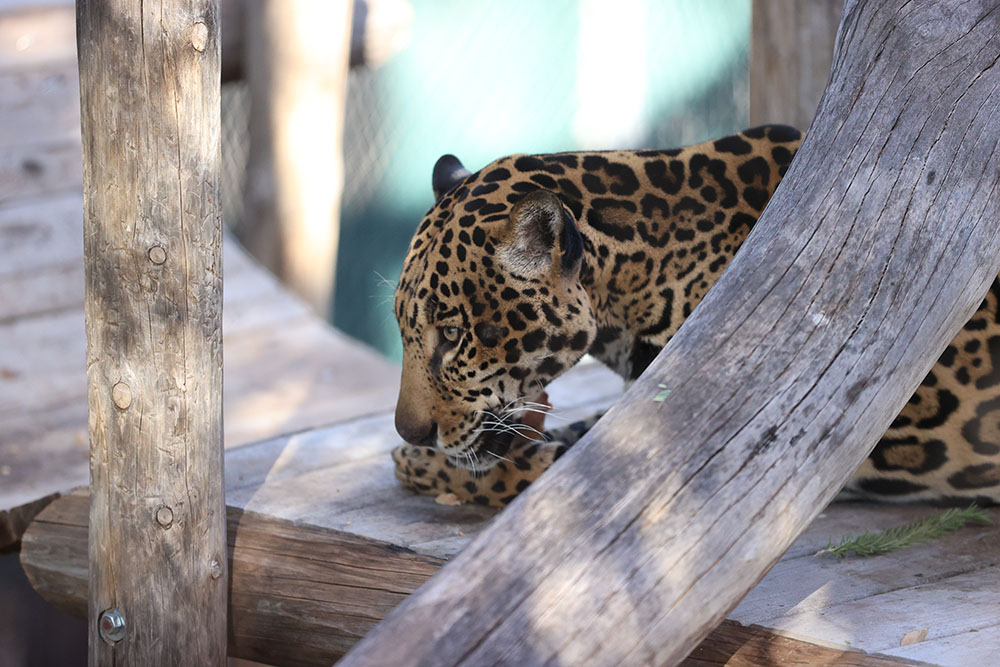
{"x": 520, "y": 269}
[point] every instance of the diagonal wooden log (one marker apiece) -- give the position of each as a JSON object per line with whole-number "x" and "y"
{"x": 876, "y": 248}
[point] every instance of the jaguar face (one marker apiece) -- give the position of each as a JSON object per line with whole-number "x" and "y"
{"x": 490, "y": 309}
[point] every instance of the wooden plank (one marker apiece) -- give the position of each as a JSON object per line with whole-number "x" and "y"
{"x": 299, "y": 375}
{"x": 14, "y": 522}
{"x": 782, "y": 379}
{"x": 38, "y": 235}
{"x": 300, "y": 595}
{"x": 735, "y": 645}
{"x": 40, "y": 105}
{"x": 953, "y": 606}
{"x": 43, "y": 461}
{"x": 153, "y": 268}
{"x": 285, "y": 372}
{"x": 976, "y": 647}
{"x": 49, "y": 290}
{"x": 304, "y": 595}
{"x": 803, "y": 586}
{"x": 42, "y": 362}
{"x": 32, "y": 171}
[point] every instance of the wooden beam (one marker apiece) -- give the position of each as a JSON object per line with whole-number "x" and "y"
{"x": 302, "y": 595}
{"x": 735, "y": 645}
{"x": 149, "y": 89}
{"x": 876, "y": 248}
{"x": 790, "y": 54}
{"x": 297, "y": 54}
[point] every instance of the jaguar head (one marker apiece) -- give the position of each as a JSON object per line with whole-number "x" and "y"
{"x": 490, "y": 308}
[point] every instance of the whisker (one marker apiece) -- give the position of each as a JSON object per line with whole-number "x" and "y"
{"x": 382, "y": 280}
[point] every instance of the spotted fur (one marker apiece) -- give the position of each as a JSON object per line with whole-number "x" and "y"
{"x": 520, "y": 269}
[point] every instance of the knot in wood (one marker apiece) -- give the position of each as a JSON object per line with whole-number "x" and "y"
{"x": 215, "y": 569}
{"x": 121, "y": 394}
{"x": 164, "y": 516}
{"x": 199, "y": 36}
{"x": 157, "y": 254}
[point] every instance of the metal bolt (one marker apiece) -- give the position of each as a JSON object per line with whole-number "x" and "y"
{"x": 112, "y": 626}
{"x": 157, "y": 254}
{"x": 164, "y": 516}
{"x": 121, "y": 395}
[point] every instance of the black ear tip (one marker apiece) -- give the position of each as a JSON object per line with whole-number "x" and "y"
{"x": 447, "y": 162}
{"x": 448, "y": 172}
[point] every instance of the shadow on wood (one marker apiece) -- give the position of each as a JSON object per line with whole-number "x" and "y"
{"x": 301, "y": 595}
{"x": 876, "y": 248}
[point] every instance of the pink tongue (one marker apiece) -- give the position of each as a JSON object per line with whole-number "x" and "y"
{"x": 535, "y": 420}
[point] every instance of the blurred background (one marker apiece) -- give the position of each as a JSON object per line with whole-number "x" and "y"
{"x": 485, "y": 79}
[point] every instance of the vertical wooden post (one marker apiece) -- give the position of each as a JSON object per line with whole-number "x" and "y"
{"x": 790, "y": 55}
{"x": 297, "y": 59}
{"x": 149, "y": 87}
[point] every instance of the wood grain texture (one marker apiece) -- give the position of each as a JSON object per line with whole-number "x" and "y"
{"x": 735, "y": 645}
{"x": 876, "y": 248}
{"x": 791, "y": 49}
{"x": 285, "y": 370}
{"x": 302, "y": 595}
{"x": 149, "y": 91}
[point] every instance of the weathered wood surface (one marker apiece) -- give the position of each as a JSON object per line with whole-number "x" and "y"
{"x": 735, "y": 645}
{"x": 876, "y": 248}
{"x": 153, "y": 305}
{"x": 791, "y": 48}
{"x": 297, "y": 54}
{"x": 302, "y": 594}
{"x": 285, "y": 371}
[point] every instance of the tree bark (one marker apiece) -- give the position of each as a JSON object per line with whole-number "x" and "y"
{"x": 297, "y": 54}
{"x": 878, "y": 245}
{"x": 149, "y": 88}
{"x": 790, "y": 53}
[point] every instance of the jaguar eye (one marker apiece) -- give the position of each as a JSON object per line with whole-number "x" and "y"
{"x": 450, "y": 334}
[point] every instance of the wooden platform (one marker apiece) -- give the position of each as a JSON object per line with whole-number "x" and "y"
{"x": 309, "y": 427}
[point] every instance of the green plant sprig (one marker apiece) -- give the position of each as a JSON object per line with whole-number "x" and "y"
{"x": 900, "y": 537}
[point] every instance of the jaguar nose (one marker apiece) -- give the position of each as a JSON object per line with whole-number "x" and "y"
{"x": 416, "y": 432}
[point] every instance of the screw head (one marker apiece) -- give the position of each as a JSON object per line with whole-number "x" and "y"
{"x": 112, "y": 626}
{"x": 164, "y": 516}
{"x": 157, "y": 254}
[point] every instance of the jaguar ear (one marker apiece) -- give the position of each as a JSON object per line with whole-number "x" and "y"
{"x": 543, "y": 234}
{"x": 448, "y": 172}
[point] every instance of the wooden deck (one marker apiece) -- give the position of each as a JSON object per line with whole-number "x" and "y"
{"x": 308, "y": 414}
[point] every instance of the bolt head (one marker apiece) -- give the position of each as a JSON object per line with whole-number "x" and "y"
{"x": 112, "y": 626}
{"x": 157, "y": 254}
{"x": 164, "y": 516}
